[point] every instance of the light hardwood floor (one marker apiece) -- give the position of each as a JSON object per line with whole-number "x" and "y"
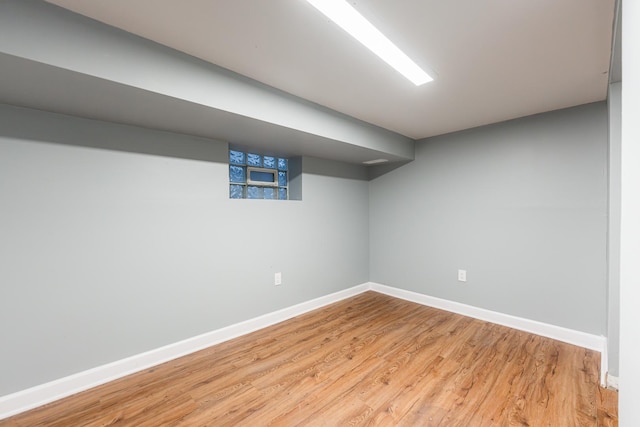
{"x": 368, "y": 360}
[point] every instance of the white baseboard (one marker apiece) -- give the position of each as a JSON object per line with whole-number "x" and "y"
{"x": 604, "y": 363}
{"x": 24, "y": 400}
{"x": 613, "y": 382}
{"x": 30, "y": 398}
{"x": 570, "y": 336}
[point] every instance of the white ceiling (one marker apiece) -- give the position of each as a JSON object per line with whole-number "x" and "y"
{"x": 494, "y": 59}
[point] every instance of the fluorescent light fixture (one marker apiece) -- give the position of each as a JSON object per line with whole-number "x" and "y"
{"x": 343, "y": 14}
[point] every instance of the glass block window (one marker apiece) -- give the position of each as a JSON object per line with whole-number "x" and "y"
{"x": 254, "y": 192}
{"x": 254, "y": 159}
{"x": 236, "y": 191}
{"x": 237, "y": 173}
{"x": 269, "y": 162}
{"x": 254, "y": 176}
{"x": 237, "y": 158}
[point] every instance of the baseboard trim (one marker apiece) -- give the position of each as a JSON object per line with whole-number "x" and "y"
{"x": 34, "y": 397}
{"x": 30, "y": 398}
{"x": 570, "y": 336}
{"x": 613, "y": 382}
{"x": 604, "y": 362}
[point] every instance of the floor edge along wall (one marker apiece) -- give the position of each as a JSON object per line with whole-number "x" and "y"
{"x": 24, "y": 400}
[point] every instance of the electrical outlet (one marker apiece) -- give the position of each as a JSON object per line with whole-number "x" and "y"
{"x": 277, "y": 279}
{"x": 462, "y": 275}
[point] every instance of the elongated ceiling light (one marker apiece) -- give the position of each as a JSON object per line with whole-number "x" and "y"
{"x": 343, "y": 14}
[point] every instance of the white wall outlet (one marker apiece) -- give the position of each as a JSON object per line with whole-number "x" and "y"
{"x": 277, "y": 279}
{"x": 462, "y": 275}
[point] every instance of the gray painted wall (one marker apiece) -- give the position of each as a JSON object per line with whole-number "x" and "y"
{"x": 521, "y": 205}
{"x": 614, "y": 104}
{"x": 116, "y": 240}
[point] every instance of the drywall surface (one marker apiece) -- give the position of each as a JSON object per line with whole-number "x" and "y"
{"x": 45, "y": 50}
{"x": 613, "y": 320}
{"x": 520, "y": 205}
{"x": 116, "y": 240}
{"x": 629, "y": 414}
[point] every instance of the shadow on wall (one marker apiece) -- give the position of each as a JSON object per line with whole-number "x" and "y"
{"x": 54, "y": 128}
{"x": 377, "y": 171}
{"x": 49, "y": 127}
{"x": 332, "y": 168}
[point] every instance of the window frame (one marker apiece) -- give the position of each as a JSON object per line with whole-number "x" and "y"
{"x": 274, "y": 183}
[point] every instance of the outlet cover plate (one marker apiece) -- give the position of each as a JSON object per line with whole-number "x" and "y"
{"x": 462, "y": 275}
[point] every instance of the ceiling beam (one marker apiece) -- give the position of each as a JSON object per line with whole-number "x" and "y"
{"x": 50, "y": 49}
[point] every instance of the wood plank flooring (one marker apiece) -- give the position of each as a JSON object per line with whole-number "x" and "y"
{"x": 370, "y": 360}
